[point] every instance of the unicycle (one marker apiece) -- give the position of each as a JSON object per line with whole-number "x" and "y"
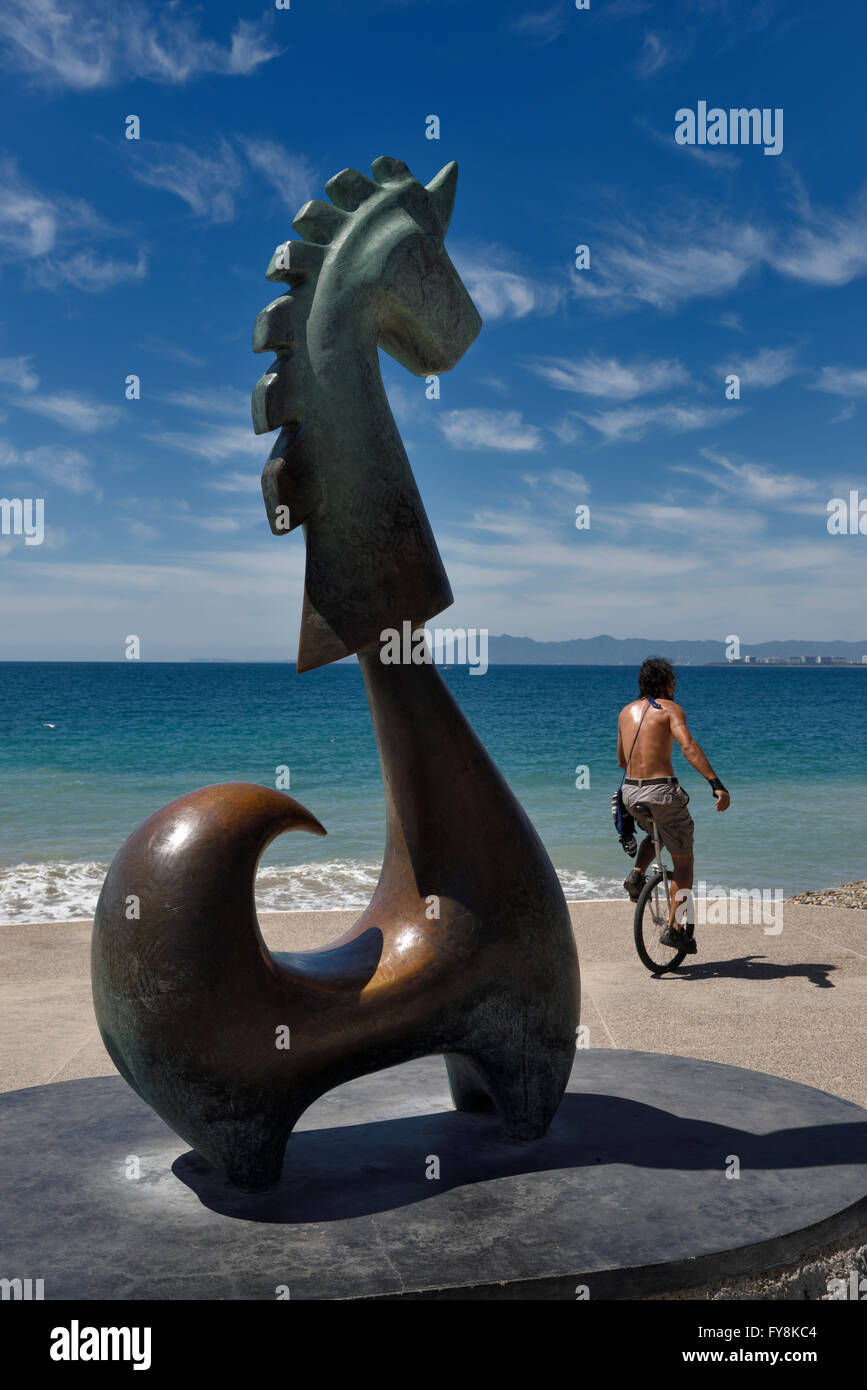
{"x": 652, "y": 913}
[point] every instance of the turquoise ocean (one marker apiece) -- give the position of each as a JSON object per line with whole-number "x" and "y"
{"x": 88, "y": 751}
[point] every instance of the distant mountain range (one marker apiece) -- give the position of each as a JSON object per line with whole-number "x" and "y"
{"x": 631, "y": 651}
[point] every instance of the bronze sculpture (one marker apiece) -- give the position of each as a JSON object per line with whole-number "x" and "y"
{"x": 466, "y": 948}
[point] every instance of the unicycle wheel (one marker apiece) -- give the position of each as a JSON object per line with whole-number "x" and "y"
{"x": 651, "y": 919}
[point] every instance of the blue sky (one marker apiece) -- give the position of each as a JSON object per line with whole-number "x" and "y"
{"x": 604, "y": 386}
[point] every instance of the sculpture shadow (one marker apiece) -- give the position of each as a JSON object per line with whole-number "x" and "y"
{"x": 754, "y": 968}
{"x": 358, "y": 1170}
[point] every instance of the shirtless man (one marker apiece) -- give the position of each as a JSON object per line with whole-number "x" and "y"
{"x": 652, "y": 783}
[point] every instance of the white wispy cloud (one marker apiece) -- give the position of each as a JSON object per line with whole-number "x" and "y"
{"x": 221, "y": 442}
{"x": 768, "y": 367}
{"x": 171, "y": 352}
{"x": 825, "y": 247}
{"x": 210, "y": 181}
{"x": 566, "y": 430}
{"x": 714, "y": 158}
{"x": 559, "y": 480}
{"x": 291, "y": 175}
{"x": 67, "y": 468}
{"x": 677, "y": 259}
{"x": 85, "y": 270}
{"x": 490, "y": 429}
{"x": 164, "y": 517}
{"x": 207, "y": 180}
{"x": 634, "y": 422}
{"x": 843, "y": 381}
{"x": 499, "y": 521}
{"x": 88, "y": 44}
{"x": 219, "y": 524}
{"x": 752, "y": 481}
{"x": 43, "y": 232}
{"x": 553, "y": 494}
{"x": 500, "y": 293}
{"x": 493, "y": 546}
{"x": 18, "y": 372}
{"x": 496, "y": 383}
{"x": 686, "y": 521}
{"x": 140, "y": 530}
{"x": 75, "y": 412}
{"x": 542, "y": 26}
{"x": 656, "y": 52}
{"x": 701, "y": 250}
{"x": 225, "y": 432}
{"x": 409, "y": 405}
{"x": 606, "y": 376}
{"x": 225, "y": 401}
{"x": 30, "y": 221}
{"x": 249, "y": 483}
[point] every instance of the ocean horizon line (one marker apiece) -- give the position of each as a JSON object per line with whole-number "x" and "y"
{"x": 352, "y": 662}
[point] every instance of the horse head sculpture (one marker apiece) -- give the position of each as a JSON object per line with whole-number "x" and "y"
{"x": 372, "y": 271}
{"x": 466, "y": 947}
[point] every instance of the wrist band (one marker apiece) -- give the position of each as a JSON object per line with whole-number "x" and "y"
{"x": 716, "y": 785}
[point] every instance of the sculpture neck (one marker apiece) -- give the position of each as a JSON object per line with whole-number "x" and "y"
{"x": 422, "y": 737}
{"x": 347, "y": 410}
{"x": 372, "y": 561}
{"x": 453, "y": 826}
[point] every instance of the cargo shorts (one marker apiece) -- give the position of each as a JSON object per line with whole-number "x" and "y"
{"x": 668, "y": 802}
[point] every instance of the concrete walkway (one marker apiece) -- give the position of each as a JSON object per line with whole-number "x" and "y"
{"x": 791, "y": 1004}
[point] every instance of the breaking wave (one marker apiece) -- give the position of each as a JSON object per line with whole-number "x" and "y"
{"x": 65, "y": 891}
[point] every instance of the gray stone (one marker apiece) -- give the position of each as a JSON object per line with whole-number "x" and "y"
{"x": 626, "y": 1194}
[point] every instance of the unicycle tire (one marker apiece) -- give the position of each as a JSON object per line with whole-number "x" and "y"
{"x": 651, "y": 918}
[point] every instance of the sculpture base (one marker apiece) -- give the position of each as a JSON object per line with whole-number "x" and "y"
{"x": 628, "y": 1194}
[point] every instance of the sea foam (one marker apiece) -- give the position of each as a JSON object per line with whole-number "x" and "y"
{"x": 64, "y": 891}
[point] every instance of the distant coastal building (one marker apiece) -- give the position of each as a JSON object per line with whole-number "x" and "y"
{"x": 750, "y": 660}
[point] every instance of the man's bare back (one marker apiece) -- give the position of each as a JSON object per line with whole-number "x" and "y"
{"x": 651, "y": 756}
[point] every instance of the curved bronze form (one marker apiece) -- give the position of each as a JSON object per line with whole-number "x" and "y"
{"x": 466, "y": 948}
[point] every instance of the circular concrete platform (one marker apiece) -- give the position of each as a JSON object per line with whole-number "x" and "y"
{"x": 627, "y": 1195}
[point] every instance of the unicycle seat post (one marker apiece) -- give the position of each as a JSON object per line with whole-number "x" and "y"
{"x": 663, "y": 868}
{"x": 652, "y": 914}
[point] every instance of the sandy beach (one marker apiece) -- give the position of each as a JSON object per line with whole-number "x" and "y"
{"x": 791, "y": 1004}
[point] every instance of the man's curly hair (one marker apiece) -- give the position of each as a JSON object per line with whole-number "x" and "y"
{"x": 654, "y": 676}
